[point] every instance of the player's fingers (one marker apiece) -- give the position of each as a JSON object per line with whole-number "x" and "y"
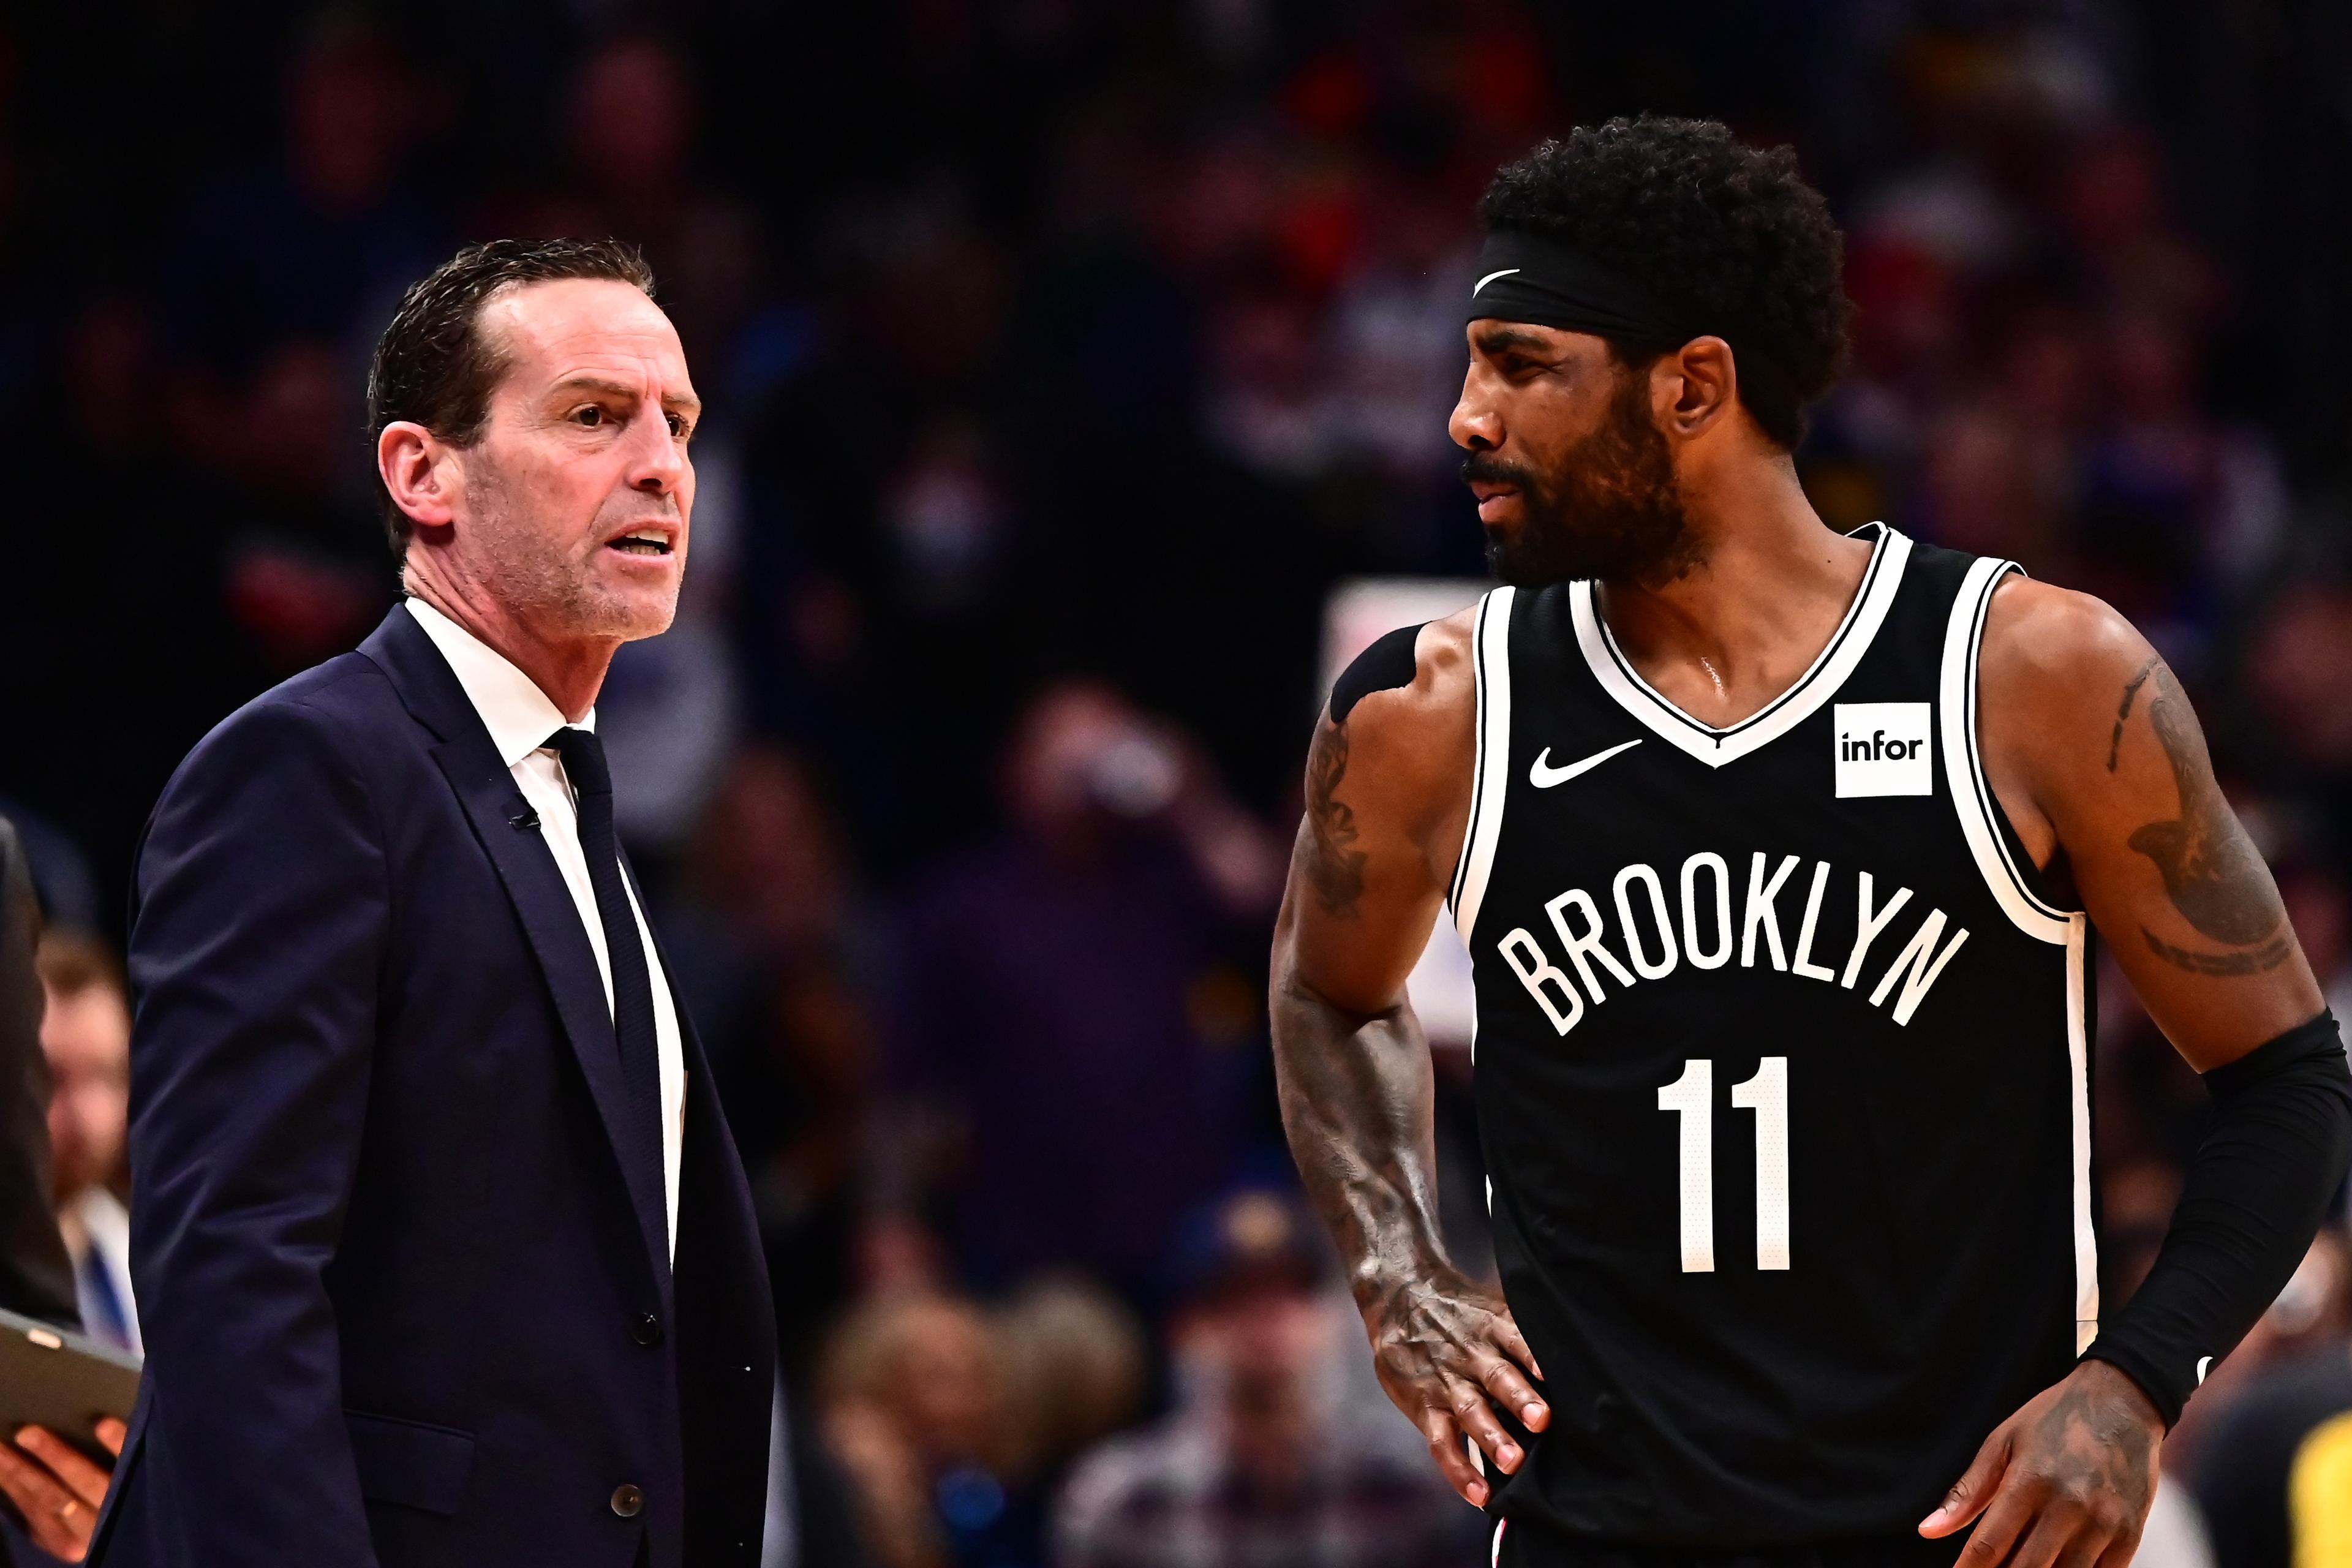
{"x": 1973, "y": 1491}
{"x": 2007, "y": 1515}
{"x": 1472, "y": 1415}
{"x": 1507, "y": 1334}
{"x": 87, "y": 1481}
{"x": 1452, "y": 1459}
{"x": 2053, "y": 1532}
{"x": 2090, "y": 1545}
{"x": 2119, "y": 1549}
{"x": 1501, "y": 1379}
{"x": 111, "y": 1433}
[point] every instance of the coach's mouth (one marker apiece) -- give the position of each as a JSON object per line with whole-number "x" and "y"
{"x": 646, "y": 539}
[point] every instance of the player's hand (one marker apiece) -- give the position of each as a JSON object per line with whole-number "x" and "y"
{"x": 1447, "y": 1354}
{"x": 59, "y": 1491}
{"x": 2068, "y": 1479}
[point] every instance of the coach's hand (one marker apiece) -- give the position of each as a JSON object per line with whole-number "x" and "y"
{"x": 1447, "y": 1353}
{"x": 2068, "y": 1478}
{"x": 57, "y": 1492}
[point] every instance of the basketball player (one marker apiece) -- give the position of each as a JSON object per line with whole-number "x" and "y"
{"x": 1779, "y": 853}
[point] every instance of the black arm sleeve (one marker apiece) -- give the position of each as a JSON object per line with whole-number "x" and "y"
{"x": 2256, "y": 1192}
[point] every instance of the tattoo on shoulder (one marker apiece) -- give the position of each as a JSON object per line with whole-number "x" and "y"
{"x": 2211, "y": 870}
{"x": 2122, "y": 711}
{"x": 1334, "y": 864}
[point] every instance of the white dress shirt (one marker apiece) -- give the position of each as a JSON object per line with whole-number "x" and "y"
{"x": 520, "y": 717}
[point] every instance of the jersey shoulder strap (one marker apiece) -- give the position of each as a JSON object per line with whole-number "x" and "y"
{"x": 1490, "y": 778}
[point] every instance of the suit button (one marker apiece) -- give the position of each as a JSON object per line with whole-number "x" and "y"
{"x": 645, "y": 1328}
{"x": 627, "y": 1500}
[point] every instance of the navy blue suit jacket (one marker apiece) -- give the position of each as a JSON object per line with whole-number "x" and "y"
{"x": 402, "y": 1267}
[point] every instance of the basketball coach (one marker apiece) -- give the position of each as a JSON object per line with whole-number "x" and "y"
{"x": 442, "y": 1251}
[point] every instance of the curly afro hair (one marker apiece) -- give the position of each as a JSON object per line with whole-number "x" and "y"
{"x": 1731, "y": 233}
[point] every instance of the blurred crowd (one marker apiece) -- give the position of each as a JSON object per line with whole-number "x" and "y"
{"x": 1060, "y": 360}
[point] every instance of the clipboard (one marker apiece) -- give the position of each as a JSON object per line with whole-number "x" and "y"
{"x": 65, "y": 1382}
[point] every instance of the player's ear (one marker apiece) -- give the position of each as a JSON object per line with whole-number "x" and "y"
{"x": 421, "y": 472}
{"x": 1702, "y": 385}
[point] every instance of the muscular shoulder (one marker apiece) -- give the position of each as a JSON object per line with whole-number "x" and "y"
{"x": 2042, "y": 641}
{"x": 1413, "y": 680}
{"x": 1411, "y": 725}
{"x": 2061, "y": 675}
{"x": 2058, "y": 674}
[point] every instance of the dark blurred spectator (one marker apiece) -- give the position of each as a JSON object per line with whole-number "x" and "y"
{"x": 317, "y": 243}
{"x": 919, "y": 1410}
{"x": 1077, "y": 1362}
{"x": 86, "y": 1035}
{"x": 2273, "y": 1470}
{"x": 778, "y": 971}
{"x": 304, "y": 568}
{"x": 36, "y": 1280}
{"x": 1073, "y": 998}
{"x": 2313, "y": 1311}
{"x": 280, "y": 279}
{"x": 1258, "y": 1466}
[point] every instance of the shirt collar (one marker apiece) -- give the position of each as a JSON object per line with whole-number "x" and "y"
{"x": 518, "y": 714}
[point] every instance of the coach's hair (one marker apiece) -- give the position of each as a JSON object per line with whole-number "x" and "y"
{"x": 432, "y": 365}
{"x": 1725, "y": 233}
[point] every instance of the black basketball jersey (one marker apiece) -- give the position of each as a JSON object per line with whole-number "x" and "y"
{"x": 1782, "y": 1075}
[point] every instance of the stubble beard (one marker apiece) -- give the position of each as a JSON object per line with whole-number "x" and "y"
{"x": 1611, "y": 513}
{"x": 556, "y": 593}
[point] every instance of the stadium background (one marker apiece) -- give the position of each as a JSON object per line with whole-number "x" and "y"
{"x": 1061, "y": 360}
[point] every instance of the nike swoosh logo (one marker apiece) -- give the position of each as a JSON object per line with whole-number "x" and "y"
{"x": 1543, "y": 775}
{"x": 1490, "y": 277}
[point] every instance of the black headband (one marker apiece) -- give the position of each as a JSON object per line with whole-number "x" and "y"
{"x": 1524, "y": 277}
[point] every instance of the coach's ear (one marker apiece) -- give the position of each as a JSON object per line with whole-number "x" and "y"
{"x": 421, "y": 472}
{"x": 1695, "y": 388}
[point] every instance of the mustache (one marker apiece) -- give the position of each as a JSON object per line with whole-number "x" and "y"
{"x": 1487, "y": 468}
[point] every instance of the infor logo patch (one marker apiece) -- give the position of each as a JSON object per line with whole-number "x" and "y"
{"x": 1883, "y": 748}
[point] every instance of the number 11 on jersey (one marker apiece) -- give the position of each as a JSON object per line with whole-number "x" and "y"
{"x": 1692, "y": 1099}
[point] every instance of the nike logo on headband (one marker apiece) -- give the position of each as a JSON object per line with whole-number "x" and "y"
{"x": 1490, "y": 277}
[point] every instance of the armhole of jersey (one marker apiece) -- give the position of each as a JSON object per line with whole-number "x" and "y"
{"x": 1964, "y": 769}
{"x": 1490, "y": 776}
{"x": 1972, "y": 800}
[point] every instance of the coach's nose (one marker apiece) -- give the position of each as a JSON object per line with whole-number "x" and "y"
{"x": 657, "y": 464}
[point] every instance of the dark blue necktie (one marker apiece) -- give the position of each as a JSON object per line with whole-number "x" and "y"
{"x": 633, "y": 990}
{"x": 101, "y": 1305}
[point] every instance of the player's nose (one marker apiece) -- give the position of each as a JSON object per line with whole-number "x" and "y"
{"x": 1474, "y": 425}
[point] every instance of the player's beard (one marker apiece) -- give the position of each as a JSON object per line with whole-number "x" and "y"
{"x": 1611, "y": 513}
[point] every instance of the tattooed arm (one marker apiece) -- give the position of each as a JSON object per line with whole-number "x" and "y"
{"x": 1387, "y": 793}
{"x": 2100, "y": 766}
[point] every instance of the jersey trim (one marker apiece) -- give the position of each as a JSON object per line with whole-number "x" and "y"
{"x": 2078, "y": 1065}
{"x": 1714, "y": 746}
{"x": 1973, "y": 798}
{"x": 1973, "y": 804}
{"x": 1490, "y": 779}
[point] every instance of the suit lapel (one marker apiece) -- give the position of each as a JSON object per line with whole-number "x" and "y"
{"x": 509, "y": 832}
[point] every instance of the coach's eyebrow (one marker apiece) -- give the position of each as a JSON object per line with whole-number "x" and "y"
{"x": 676, "y": 402}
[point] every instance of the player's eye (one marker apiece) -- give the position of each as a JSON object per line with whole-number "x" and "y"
{"x": 588, "y": 416}
{"x": 680, "y": 427}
